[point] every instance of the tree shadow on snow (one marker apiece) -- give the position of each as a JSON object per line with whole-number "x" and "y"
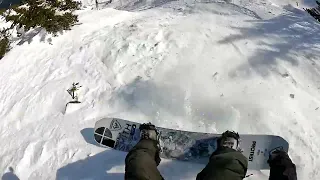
{"x": 28, "y": 36}
{"x": 293, "y": 34}
{"x": 94, "y": 167}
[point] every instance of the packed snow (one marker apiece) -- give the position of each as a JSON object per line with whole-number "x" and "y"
{"x": 206, "y": 66}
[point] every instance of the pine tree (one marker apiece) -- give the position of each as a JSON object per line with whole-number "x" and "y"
{"x": 4, "y": 42}
{"x": 53, "y": 15}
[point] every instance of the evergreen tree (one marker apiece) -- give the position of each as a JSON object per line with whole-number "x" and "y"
{"x": 4, "y": 42}
{"x": 53, "y": 15}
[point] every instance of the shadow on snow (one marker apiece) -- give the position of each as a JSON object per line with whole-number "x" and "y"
{"x": 294, "y": 34}
{"x": 87, "y": 134}
{"x": 10, "y": 175}
{"x": 94, "y": 167}
{"x": 98, "y": 166}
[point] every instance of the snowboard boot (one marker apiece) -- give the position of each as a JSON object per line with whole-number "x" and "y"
{"x": 229, "y": 139}
{"x": 149, "y": 131}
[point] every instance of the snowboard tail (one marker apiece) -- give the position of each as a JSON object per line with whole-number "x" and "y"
{"x": 195, "y": 147}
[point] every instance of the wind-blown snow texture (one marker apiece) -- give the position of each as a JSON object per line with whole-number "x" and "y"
{"x": 198, "y": 66}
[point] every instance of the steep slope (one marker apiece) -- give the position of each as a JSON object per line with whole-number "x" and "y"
{"x": 188, "y": 65}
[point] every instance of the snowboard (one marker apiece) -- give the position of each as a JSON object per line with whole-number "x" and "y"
{"x": 194, "y": 147}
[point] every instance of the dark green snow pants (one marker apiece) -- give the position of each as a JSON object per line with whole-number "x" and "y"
{"x": 224, "y": 164}
{"x": 142, "y": 161}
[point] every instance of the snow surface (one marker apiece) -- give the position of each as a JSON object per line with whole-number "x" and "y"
{"x": 198, "y": 66}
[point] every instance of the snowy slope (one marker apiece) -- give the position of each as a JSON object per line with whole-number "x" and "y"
{"x": 188, "y": 65}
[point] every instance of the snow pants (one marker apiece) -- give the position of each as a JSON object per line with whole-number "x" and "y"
{"x": 142, "y": 161}
{"x": 224, "y": 164}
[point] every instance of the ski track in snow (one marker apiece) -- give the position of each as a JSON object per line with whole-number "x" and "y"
{"x": 204, "y": 66}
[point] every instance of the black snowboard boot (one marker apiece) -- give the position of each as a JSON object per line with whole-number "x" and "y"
{"x": 281, "y": 166}
{"x": 229, "y": 139}
{"x": 149, "y": 131}
{"x": 227, "y": 162}
{"x": 143, "y": 159}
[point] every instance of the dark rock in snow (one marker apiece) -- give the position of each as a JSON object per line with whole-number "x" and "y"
{"x": 215, "y": 74}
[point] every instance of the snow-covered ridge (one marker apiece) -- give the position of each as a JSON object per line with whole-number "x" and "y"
{"x": 145, "y": 4}
{"x": 188, "y": 65}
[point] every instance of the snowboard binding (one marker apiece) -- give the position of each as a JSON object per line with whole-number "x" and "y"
{"x": 229, "y": 139}
{"x": 149, "y": 131}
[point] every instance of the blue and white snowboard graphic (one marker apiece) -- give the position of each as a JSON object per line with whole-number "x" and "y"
{"x": 195, "y": 147}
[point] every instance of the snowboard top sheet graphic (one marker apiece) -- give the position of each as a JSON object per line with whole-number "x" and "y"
{"x": 195, "y": 147}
